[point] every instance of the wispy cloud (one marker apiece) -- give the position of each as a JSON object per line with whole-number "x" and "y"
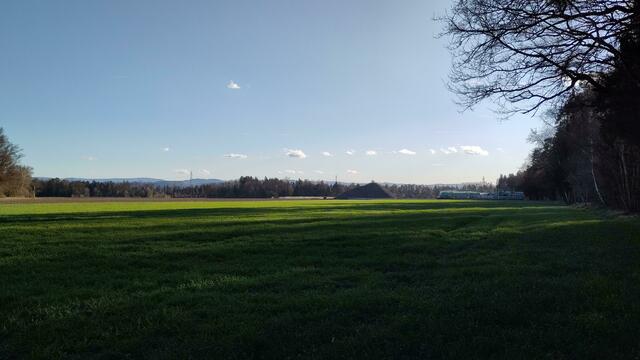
{"x": 326, "y": 153}
{"x": 371, "y": 153}
{"x": 295, "y": 153}
{"x": 500, "y": 149}
{"x": 182, "y": 172}
{"x": 291, "y": 172}
{"x": 352, "y": 172}
{"x": 350, "y": 152}
{"x": 235, "y": 156}
{"x": 89, "y": 158}
{"x": 432, "y": 151}
{"x": 205, "y": 172}
{"x": 166, "y": 149}
{"x": 467, "y": 149}
{"x": 474, "y": 150}
{"x": 318, "y": 171}
{"x": 406, "y": 152}
{"x": 232, "y": 85}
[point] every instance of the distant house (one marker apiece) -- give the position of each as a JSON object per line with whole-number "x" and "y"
{"x": 458, "y": 195}
{"x": 474, "y": 195}
{"x": 369, "y": 191}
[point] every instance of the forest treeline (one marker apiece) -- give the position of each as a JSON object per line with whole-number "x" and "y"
{"x": 244, "y": 187}
{"x": 588, "y": 156}
{"x": 577, "y": 61}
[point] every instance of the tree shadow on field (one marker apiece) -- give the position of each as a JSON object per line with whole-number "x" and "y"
{"x": 499, "y": 282}
{"x": 448, "y": 207}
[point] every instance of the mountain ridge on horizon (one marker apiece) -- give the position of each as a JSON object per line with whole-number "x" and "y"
{"x": 142, "y": 180}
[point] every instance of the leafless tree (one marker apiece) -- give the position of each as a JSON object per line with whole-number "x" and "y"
{"x": 15, "y": 180}
{"x": 526, "y": 53}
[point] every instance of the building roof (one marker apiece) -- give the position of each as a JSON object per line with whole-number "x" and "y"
{"x": 369, "y": 191}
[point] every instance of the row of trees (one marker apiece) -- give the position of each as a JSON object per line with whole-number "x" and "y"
{"x": 15, "y": 179}
{"x": 593, "y": 154}
{"x": 252, "y": 187}
{"x": 580, "y": 59}
{"x": 245, "y": 187}
{"x": 65, "y": 188}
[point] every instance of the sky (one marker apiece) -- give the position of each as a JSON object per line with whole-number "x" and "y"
{"x": 227, "y": 88}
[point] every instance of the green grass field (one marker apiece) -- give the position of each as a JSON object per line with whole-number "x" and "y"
{"x": 318, "y": 279}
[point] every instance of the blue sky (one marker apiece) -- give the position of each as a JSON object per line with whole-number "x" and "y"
{"x": 237, "y": 87}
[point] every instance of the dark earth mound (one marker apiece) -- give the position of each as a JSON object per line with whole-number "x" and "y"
{"x": 369, "y": 191}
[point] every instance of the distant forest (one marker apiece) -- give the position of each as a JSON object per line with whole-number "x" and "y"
{"x": 245, "y": 187}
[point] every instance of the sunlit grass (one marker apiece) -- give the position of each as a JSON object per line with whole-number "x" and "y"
{"x": 317, "y": 279}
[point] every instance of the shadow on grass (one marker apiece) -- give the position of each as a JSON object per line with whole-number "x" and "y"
{"x": 334, "y": 207}
{"x": 387, "y": 280}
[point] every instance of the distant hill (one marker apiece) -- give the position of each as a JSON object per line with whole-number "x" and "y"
{"x": 153, "y": 181}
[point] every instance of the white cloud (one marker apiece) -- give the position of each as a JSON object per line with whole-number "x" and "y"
{"x": 350, "y": 152}
{"x": 182, "y": 172}
{"x": 89, "y": 158}
{"x": 205, "y": 172}
{"x": 467, "y": 149}
{"x": 291, "y": 172}
{"x": 167, "y": 149}
{"x": 500, "y": 149}
{"x": 474, "y": 150}
{"x": 295, "y": 153}
{"x": 406, "y": 152}
{"x": 326, "y": 153}
{"x": 318, "y": 171}
{"x": 232, "y": 85}
{"x": 235, "y": 156}
{"x": 352, "y": 172}
{"x": 432, "y": 151}
{"x": 371, "y": 153}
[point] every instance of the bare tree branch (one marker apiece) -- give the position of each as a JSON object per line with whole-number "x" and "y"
{"x": 527, "y": 53}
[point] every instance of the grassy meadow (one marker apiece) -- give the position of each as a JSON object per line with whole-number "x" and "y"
{"x": 317, "y": 279}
